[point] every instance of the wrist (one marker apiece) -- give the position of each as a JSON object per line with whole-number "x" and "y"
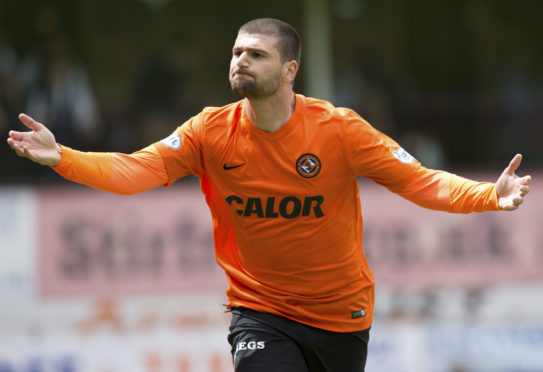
{"x": 57, "y": 159}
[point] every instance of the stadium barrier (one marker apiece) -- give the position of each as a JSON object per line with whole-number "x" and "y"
{"x": 91, "y": 281}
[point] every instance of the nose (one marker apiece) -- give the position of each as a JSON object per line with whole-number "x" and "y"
{"x": 242, "y": 60}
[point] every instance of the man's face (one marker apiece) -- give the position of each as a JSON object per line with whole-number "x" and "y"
{"x": 255, "y": 69}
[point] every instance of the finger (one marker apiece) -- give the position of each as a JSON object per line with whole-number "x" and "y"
{"x": 23, "y": 152}
{"x": 526, "y": 180}
{"x": 515, "y": 203}
{"x": 15, "y": 135}
{"x": 30, "y": 123}
{"x": 17, "y": 148}
{"x": 10, "y": 142}
{"x": 13, "y": 144}
{"x": 524, "y": 190}
{"x": 510, "y": 208}
{"x": 513, "y": 165}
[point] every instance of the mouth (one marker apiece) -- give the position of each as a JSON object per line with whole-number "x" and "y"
{"x": 241, "y": 73}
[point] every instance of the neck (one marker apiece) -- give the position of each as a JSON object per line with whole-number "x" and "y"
{"x": 271, "y": 113}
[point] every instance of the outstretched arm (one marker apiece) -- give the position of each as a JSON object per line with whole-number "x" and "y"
{"x": 38, "y": 145}
{"x": 113, "y": 172}
{"x": 374, "y": 155}
{"x": 511, "y": 188}
{"x": 444, "y": 191}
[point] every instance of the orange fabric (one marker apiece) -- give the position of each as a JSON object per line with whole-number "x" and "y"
{"x": 117, "y": 173}
{"x": 285, "y": 205}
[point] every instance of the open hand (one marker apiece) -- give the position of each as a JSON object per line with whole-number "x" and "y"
{"x": 38, "y": 145}
{"x": 511, "y": 188}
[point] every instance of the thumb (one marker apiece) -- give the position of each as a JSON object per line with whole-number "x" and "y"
{"x": 513, "y": 165}
{"x": 30, "y": 123}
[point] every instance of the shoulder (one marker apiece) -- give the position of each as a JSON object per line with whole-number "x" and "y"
{"x": 213, "y": 124}
{"x": 325, "y": 109}
{"x": 213, "y": 119}
{"x": 324, "y": 112}
{"x": 222, "y": 115}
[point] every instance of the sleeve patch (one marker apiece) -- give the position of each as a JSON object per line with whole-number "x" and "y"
{"x": 403, "y": 156}
{"x": 172, "y": 141}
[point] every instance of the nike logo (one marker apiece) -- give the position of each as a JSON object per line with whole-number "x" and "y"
{"x": 226, "y": 167}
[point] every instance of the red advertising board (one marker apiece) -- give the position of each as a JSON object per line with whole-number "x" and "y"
{"x": 91, "y": 242}
{"x": 99, "y": 243}
{"x": 411, "y": 247}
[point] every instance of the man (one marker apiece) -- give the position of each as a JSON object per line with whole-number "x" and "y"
{"x": 278, "y": 171}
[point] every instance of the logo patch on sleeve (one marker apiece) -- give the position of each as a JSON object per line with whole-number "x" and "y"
{"x": 403, "y": 156}
{"x": 172, "y": 141}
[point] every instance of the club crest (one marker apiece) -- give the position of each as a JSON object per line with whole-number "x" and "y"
{"x": 308, "y": 165}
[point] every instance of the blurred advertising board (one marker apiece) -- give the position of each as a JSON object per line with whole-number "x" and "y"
{"x": 411, "y": 247}
{"x": 424, "y": 346}
{"x": 18, "y": 233}
{"x": 430, "y": 346}
{"x": 161, "y": 240}
{"x": 94, "y": 282}
{"x": 93, "y": 242}
{"x": 151, "y": 334}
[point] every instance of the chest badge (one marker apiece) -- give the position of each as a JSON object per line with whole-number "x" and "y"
{"x": 308, "y": 165}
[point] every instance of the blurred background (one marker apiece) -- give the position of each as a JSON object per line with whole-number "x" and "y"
{"x": 95, "y": 282}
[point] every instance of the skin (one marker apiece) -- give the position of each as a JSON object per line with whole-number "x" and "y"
{"x": 257, "y": 62}
{"x": 258, "y": 73}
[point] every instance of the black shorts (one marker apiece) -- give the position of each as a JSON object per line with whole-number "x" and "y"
{"x": 263, "y": 342}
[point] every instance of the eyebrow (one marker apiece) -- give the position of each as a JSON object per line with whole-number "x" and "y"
{"x": 249, "y": 49}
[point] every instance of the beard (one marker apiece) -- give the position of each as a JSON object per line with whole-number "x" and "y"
{"x": 245, "y": 86}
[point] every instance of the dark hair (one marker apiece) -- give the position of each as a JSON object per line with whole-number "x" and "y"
{"x": 288, "y": 41}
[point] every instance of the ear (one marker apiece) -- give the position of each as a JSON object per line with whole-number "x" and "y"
{"x": 290, "y": 69}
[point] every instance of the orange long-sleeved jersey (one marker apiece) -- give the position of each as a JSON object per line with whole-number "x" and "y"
{"x": 285, "y": 205}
